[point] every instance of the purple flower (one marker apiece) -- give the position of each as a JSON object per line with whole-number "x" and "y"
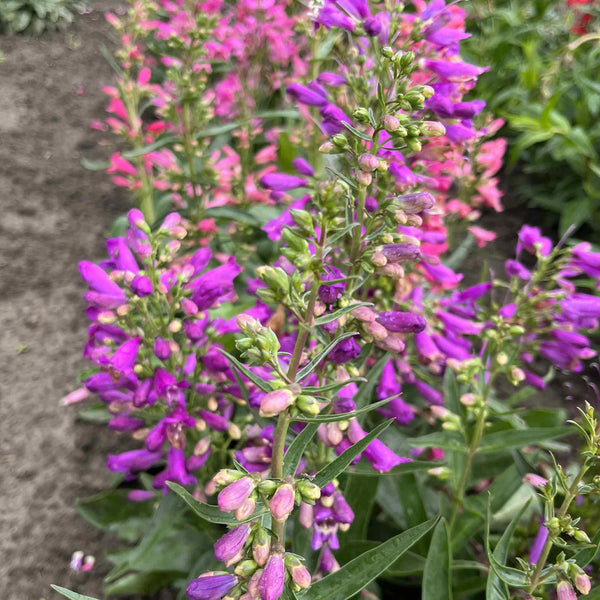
{"x": 458, "y": 325}
{"x": 104, "y": 293}
{"x": 132, "y": 462}
{"x": 235, "y": 494}
{"x": 273, "y": 578}
{"x": 303, "y": 167}
{"x": 531, "y": 239}
{"x": 346, "y": 350}
{"x": 210, "y": 587}
{"x": 401, "y": 322}
{"x": 333, "y": 119}
{"x": 141, "y": 286}
{"x": 230, "y": 545}
{"x": 430, "y": 395}
{"x": 306, "y": 95}
{"x": 162, "y": 348}
{"x": 328, "y": 294}
{"x": 454, "y": 71}
{"x": 395, "y": 253}
{"x": 282, "y": 502}
{"x": 373, "y": 26}
{"x": 413, "y": 204}
{"x": 280, "y": 182}
{"x": 331, "y": 79}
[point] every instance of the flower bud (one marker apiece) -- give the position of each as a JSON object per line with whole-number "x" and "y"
{"x": 582, "y": 536}
{"x": 340, "y": 140}
{"x": 582, "y": 583}
{"x": 565, "y": 591}
{"x": 368, "y": 162}
{"x": 390, "y": 123}
{"x": 245, "y": 510}
{"x": 432, "y": 129}
{"x": 298, "y": 572}
{"x": 308, "y": 405}
{"x": 235, "y": 494}
{"x": 282, "y": 502}
{"x": 261, "y": 546}
{"x": 230, "y": 545}
{"x": 365, "y": 179}
{"x": 303, "y": 219}
{"x": 272, "y": 581}
{"x": 267, "y": 487}
{"x": 275, "y": 402}
{"x": 308, "y": 490}
{"x": 211, "y": 586}
{"x": 246, "y": 568}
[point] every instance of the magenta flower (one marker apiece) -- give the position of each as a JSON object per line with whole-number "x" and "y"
{"x": 401, "y": 322}
{"x": 230, "y": 545}
{"x": 104, "y": 293}
{"x": 235, "y": 494}
{"x": 210, "y": 587}
{"x": 272, "y": 581}
{"x": 279, "y": 182}
{"x": 282, "y": 502}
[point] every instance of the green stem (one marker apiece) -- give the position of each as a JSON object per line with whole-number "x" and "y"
{"x": 283, "y": 421}
{"x": 472, "y": 449}
{"x": 570, "y": 495}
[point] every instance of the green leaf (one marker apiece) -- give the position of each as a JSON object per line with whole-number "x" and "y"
{"x": 437, "y": 579}
{"x": 70, "y": 594}
{"x": 359, "y": 492}
{"x": 336, "y": 314}
{"x": 142, "y": 583}
{"x": 357, "y": 133}
{"x": 358, "y": 573}
{"x": 296, "y": 449}
{"x": 113, "y": 511}
{"x": 402, "y": 469}
{"x": 447, "y": 440}
{"x": 312, "y": 365}
{"x": 503, "y": 488}
{"x": 257, "y": 381}
{"x": 95, "y": 413}
{"x": 329, "y": 418}
{"x": 232, "y": 214}
{"x": 340, "y": 464}
{"x": 496, "y": 589}
{"x": 330, "y": 387}
{"x": 518, "y": 438}
{"x": 209, "y": 512}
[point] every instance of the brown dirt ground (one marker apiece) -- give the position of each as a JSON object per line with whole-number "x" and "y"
{"x": 52, "y": 214}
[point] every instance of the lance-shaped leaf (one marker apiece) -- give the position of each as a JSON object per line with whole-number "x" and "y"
{"x": 496, "y": 588}
{"x": 336, "y": 314}
{"x": 294, "y": 453}
{"x": 70, "y": 594}
{"x": 328, "y": 418}
{"x": 341, "y": 463}
{"x": 447, "y": 440}
{"x": 437, "y": 579}
{"x": 402, "y": 469}
{"x": 358, "y": 573}
{"x": 334, "y": 386}
{"x": 260, "y": 383}
{"x": 508, "y": 575}
{"x": 208, "y": 512}
{"x": 518, "y": 438}
{"x": 312, "y": 365}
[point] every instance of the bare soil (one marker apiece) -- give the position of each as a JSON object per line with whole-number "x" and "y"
{"x": 53, "y": 213}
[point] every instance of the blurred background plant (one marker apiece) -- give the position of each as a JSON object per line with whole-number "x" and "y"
{"x": 36, "y": 16}
{"x": 544, "y": 58}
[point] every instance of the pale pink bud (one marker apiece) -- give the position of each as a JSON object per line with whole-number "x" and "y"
{"x": 565, "y": 591}
{"x": 235, "y": 494}
{"x": 535, "y": 480}
{"x": 368, "y": 162}
{"x": 246, "y": 510}
{"x": 305, "y": 515}
{"x": 275, "y": 402}
{"x": 282, "y": 502}
{"x": 583, "y": 583}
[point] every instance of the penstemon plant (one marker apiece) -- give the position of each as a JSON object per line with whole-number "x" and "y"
{"x": 319, "y": 378}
